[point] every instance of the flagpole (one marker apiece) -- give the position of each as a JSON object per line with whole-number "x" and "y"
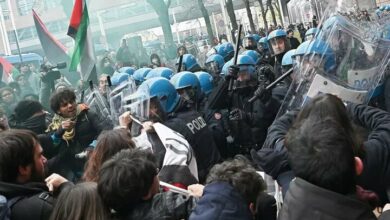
{"x": 11, "y": 14}
{"x": 4, "y": 34}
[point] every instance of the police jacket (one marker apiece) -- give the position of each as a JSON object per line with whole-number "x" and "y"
{"x": 252, "y": 129}
{"x": 194, "y": 128}
{"x": 34, "y": 202}
{"x": 307, "y": 201}
{"x": 220, "y": 201}
{"x": 273, "y": 157}
{"x": 163, "y": 206}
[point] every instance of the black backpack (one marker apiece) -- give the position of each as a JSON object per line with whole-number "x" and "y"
{"x": 6, "y": 206}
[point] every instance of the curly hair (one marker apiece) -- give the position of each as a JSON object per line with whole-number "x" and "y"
{"x": 241, "y": 175}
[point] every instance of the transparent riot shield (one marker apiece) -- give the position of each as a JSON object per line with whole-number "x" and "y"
{"x": 98, "y": 104}
{"x": 116, "y": 99}
{"x": 138, "y": 104}
{"x": 347, "y": 58}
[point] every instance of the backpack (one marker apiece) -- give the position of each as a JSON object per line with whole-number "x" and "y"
{"x": 6, "y": 206}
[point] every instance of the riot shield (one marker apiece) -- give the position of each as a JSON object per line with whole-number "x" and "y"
{"x": 138, "y": 104}
{"x": 347, "y": 58}
{"x": 116, "y": 99}
{"x": 98, "y": 104}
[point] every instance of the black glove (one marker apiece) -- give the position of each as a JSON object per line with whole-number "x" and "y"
{"x": 237, "y": 115}
{"x": 263, "y": 94}
{"x": 232, "y": 72}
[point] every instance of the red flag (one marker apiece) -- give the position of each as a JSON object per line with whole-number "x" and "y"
{"x": 7, "y": 70}
{"x": 53, "y": 49}
{"x": 75, "y": 20}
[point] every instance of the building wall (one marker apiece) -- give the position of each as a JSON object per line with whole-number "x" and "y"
{"x": 382, "y": 2}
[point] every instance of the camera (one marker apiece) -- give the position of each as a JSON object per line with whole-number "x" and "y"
{"x": 51, "y": 73}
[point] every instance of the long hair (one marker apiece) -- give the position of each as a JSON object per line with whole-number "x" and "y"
{"x": 108, "y": 144}
{"x": 80, "y": 202}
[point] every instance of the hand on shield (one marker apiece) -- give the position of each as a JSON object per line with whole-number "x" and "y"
{"x": 125, "y": 119}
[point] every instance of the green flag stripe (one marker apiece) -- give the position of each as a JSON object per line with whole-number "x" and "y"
{"x": 81, "y": 37}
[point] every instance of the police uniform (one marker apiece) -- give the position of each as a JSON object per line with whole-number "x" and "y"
{"x": 194, "y": 128}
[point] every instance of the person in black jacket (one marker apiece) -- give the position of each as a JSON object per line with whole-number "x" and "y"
{"x": 71, "y": 131}
{"x": 373, "y": 151}
{"x": 321, "y": 151}
{"x": 128, "y": 183}
{"x": 21, "y": 176}
{"x": 294, "y": 43}
{"x": 232, "y": 193}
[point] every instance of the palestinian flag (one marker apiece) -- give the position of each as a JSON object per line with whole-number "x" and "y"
{"x": 7, "y": 71}
{"x": 79, "y": 30}
{"x": 53, "y": 49}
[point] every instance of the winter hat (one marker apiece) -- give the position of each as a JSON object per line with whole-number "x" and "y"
{"x": 27, "y": 108}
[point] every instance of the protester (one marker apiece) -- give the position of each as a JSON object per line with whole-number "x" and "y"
{"x": 273, "y": 157}
{"x": 321, "y": 154}
{"x": 29, "y": 115}
{"x": 72, "y": 130}
{"x": 80, "y": 202}
{"x": 231, "y": 192}
{"x": 294, "y": 43}
{"x": 8, "y": 100}
{"x": 22, "y": 171}
{"x": 128, "y": 184}
{"x": 108, "y": 144}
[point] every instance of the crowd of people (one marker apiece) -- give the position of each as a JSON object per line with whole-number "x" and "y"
{"x": 192, "y": 141}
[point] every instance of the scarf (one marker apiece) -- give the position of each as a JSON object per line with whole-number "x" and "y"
{"x": 58, "y": 119}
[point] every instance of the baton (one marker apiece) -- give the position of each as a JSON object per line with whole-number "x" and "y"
{"x": 235, "y": 55}
{"x": 273, "y": 84}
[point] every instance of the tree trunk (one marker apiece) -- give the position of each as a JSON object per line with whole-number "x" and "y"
{"x": 232, "y": 15}
{"x": 263, "y": 15}
{"x": 277, "y": 7}
{"x": 248, "y": 11}
{"x": 163, "y": 16}
{"x": 207, "y": 21}
{"x": 271, "y": 8}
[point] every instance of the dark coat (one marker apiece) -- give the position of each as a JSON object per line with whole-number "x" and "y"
{"x": 163, "y": 206}
{"x": 194, "y": 128}
{"x": 64, "y": 159}
{"x": 376, "y": 173}
{"x": 307, "y": 201}
{"x": 220, "y": 201}
{"x": 35, "y": 202}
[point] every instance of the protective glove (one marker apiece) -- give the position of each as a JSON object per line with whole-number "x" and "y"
{"x": 232, "y": 72}
{"x": 237, "y": 115}
{"x": 263, "y": 94}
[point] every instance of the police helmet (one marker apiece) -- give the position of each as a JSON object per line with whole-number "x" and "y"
{"x": 189, "y": 62}
{"x": 128, "y": 70}
{"x": 206, "y": 82}
{"x": 263, "y": 43}
{"x": 277, "y": 42}
{"x": 225, "y": 67}
{"x": 118, "y": 78}
{"x": 226, "y": 50}
{"x": 163, "y": 90}
{"x": 249, "y": 42}
{"x": 214, "y": 63}
{"x": 140, "y": 74}
{"x": 252, "y": 53}
{"x": 288, "y": 58}
{"x": 311, "y": 33}
{"x": 160, "y": 72}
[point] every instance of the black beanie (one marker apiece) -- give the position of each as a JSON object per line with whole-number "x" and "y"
{"x": 27, "y": 108}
